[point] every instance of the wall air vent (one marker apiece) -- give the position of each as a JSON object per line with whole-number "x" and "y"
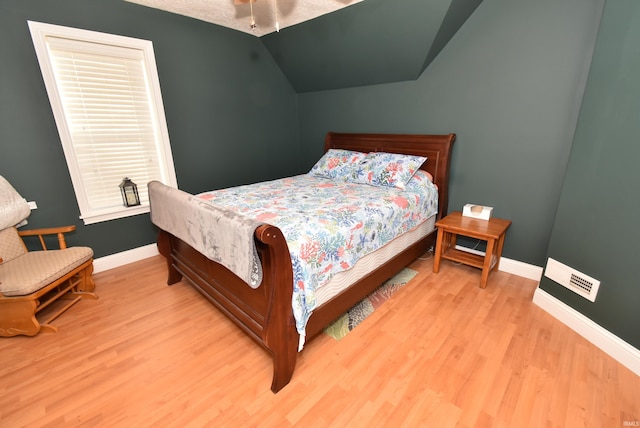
{"x": 572, "y": 279}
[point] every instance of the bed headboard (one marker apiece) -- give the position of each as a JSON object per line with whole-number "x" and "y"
{"x": 437, "y": 149}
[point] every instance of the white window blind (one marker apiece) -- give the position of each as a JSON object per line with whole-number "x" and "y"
{"x": 106, "y": 100}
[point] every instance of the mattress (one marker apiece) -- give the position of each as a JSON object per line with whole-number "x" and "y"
{"x": 343, "y": 280}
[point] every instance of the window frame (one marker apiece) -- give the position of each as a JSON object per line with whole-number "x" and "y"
{"x": 39, "y": 33}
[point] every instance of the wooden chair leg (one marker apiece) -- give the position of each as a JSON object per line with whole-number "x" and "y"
{"x": 48, "y": 328}
{"x": 18, "y": 317}
{"x": 86, "y": 279}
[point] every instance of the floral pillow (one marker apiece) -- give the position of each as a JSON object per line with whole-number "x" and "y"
{"x": 387, "y": 169}
{"x": 420, "y": 180}
{"x": 337, "y": 164}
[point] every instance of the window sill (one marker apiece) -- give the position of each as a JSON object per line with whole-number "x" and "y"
{"x": 112, "y": 215}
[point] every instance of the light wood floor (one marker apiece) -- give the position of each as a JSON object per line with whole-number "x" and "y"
{"x": 440, "y": 353}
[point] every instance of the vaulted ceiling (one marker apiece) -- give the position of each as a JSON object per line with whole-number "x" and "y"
{"x": 322, "y": 44}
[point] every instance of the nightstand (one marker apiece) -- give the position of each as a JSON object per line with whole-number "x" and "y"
{"x": 493, "y": 231}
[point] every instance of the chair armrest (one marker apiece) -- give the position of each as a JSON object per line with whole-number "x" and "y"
{"x": 41, "y": 233}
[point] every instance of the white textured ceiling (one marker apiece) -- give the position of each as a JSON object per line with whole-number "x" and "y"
{"x": 238, "y": 16}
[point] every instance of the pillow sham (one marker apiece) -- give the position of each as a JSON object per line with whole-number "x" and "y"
{"x": 387, "y": 169}
{"x": 337, "y": 164}
{"x": 420, "y": 180}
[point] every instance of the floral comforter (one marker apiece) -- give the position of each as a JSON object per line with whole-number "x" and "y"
{"x": 328, "y": 225}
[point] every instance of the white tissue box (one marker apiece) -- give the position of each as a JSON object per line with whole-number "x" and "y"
{"x": 477, "y": 211}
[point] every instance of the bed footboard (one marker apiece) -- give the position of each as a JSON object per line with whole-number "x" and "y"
{"x": 264, "y": 313}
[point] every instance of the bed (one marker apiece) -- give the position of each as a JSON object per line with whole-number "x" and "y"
{"x": 260, "y": 303}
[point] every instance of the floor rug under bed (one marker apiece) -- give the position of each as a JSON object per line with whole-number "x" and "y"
{"x": 358, "y": 313}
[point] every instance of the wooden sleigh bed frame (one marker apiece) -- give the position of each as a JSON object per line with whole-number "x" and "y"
{"x": 265, "y": 313}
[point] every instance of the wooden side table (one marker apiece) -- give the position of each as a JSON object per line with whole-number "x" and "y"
{"x": 493, "y": 231}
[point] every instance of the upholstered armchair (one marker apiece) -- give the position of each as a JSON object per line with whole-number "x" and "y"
{"x": 31, "y": 281}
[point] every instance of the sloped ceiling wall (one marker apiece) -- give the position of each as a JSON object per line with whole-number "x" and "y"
{"x": 403, "y": 37}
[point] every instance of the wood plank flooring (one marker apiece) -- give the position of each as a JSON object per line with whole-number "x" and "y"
{"x": 440, "y": 353}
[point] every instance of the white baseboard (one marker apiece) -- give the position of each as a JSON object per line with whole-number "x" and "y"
{"x": 511, "y": 266}
{"x": 520, "y": 268}
{"x": 125, "y": 257}
{"x": 617, "y": 348}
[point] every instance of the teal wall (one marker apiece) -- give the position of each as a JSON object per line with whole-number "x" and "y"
{"x": 225, "y": 99}
{"x": 596, "y": 229}
{"x": 509, "y": 83}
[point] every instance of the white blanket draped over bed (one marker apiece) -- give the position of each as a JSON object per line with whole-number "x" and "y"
{"x": 222, "y": 235}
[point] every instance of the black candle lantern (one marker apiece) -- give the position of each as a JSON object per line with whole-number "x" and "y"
{"x": 129, "y": 192}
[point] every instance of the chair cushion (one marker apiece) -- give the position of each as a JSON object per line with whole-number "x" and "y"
{"x": 37, "y": 269}
{"x": 11, "y": 245}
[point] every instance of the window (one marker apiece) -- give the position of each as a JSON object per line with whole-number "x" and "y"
{"x": 105, "y": 96}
